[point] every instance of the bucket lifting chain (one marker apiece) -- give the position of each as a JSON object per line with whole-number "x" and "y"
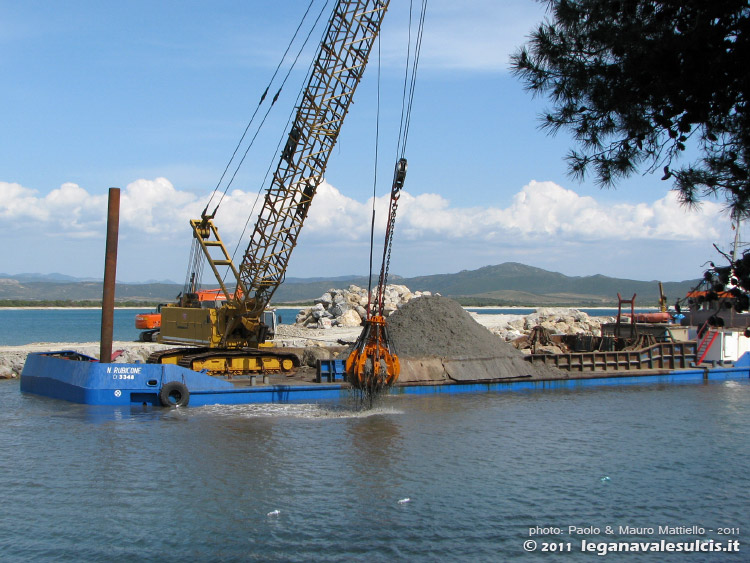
{"x": 373, "y": 363}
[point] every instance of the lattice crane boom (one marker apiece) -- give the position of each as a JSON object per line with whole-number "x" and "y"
{"x": 336, "y": 72}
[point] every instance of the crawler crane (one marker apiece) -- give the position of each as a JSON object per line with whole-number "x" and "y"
{"x": 229, "y": 340}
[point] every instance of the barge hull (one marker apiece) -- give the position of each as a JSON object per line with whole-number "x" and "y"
{"x": 697, "y": 375}
{"x": 92, "y": 383}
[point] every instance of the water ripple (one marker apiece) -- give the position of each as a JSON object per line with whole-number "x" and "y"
{"x": 125, "y": 484}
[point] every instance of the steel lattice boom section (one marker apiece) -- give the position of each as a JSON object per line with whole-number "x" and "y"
{"x": 338, "y": 68}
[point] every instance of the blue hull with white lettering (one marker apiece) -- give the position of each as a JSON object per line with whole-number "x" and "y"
{"x": 80, "y": 379}
{"x": 73, "y": 377}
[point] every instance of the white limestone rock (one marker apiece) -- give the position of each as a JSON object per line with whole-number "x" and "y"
{"x": 336, "y": 304}
{"x": 350, "y": 318}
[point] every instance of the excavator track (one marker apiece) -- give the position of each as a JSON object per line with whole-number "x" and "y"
{"x": 228, "y": 362}
{"x": 172, "y": 354}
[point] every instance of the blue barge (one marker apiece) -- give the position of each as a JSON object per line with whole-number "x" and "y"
{"x": 80, "y": 379}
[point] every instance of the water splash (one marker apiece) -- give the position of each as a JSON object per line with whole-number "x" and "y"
{"x": 296, "y": 410}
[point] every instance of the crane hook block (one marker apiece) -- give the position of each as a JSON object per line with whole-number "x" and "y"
{"x": 399, "y": 175}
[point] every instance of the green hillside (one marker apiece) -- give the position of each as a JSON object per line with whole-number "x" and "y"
{"x": 510, "y": 283}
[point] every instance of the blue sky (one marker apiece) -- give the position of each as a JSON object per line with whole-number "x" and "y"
{"x": 152, "y": 97}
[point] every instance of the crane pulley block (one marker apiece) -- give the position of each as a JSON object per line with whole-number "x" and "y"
{"x": 399, "y": 175}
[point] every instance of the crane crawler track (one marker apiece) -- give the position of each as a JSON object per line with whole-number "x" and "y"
{"x": 228, "y": 362}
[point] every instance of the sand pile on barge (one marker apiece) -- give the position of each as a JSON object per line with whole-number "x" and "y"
{"x": 437, "y": 340}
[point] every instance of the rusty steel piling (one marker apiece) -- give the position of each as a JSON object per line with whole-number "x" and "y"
{"x": 110, "y": 274}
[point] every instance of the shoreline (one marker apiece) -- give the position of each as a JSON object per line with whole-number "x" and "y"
{"x": 68, "y": 308}
{"x": 296, "y": 333}
{"x": 479, "y": 307}
{"x": 13, "y": 357}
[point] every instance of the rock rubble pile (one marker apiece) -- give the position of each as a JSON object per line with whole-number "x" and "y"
{"x": 555, "y": 320}
{"x": 347, "y": 307}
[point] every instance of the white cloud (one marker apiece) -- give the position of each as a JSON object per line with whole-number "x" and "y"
{"x": 156, "y": 207}
{"x": 544, "y": 225}
{"x": 540, "y": 210}
{"x": 546, "y": 209}
{"x": 19, "y": 203}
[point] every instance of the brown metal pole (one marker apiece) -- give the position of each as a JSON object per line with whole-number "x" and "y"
{"x": 110, "y": 273}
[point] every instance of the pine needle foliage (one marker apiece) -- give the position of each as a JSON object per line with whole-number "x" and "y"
{"x": 641, "y": 83}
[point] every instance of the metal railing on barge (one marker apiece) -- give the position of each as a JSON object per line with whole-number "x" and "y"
{"x": 662, "y": 355}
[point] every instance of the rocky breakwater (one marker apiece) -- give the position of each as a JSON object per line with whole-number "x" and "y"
{"x": 557, "y": 321}
{"x": 437, "y": 341}
{"x": 348, "y": 307}
{"x": 13, "y": 358}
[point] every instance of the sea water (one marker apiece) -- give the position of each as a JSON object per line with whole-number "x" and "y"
{"x": 525, "y": 476}
{"x": 25, "y": 326}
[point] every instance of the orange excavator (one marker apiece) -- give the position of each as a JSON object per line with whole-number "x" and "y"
{"x": 149, "y": 323}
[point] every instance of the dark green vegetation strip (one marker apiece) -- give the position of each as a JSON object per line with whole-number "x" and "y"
{"x": 65, "y": 303}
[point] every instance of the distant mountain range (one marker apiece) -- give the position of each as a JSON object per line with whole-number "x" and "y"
{"x": 509, "y": 284}
{"x": 62, "y": 278}
{"x": 54, "y": 277}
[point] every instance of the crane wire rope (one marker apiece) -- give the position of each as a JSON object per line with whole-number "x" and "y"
{"x": 407, "y": 102}
{"x": 374, "y": 183}
{"x": 197, "y": 259}
{"x": 260, "y": 102}
{"x": 412, "y": 86}
{"x": 281, "y": 139}
{"x": 292, "y": 113}
{"x": 273, "y": 101}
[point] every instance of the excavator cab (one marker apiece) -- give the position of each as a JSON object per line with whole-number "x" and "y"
{"x": 269, "y": 320}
